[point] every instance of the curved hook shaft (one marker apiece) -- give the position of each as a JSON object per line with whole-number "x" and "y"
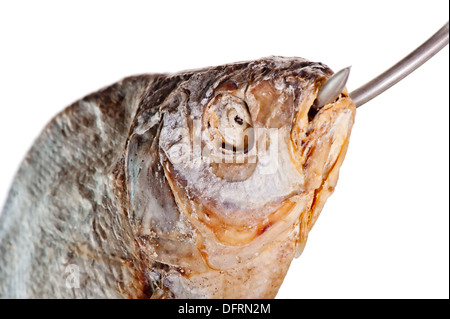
{"x": 403, "y": 68}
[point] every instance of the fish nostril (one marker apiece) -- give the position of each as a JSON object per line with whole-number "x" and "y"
{"x": 238, "y": 120}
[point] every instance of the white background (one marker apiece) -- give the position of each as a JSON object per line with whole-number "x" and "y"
{"x": 385, "y": 231}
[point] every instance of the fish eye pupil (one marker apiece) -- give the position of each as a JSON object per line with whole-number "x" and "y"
{"x": 238, "y": 120}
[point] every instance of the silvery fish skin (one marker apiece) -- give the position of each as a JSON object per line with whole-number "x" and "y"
{"x": 198, "y": 184}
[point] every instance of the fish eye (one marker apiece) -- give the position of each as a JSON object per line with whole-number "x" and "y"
{"x": 229, "y": 124}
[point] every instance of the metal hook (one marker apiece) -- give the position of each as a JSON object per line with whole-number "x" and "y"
{"x": 332, "y": 88}
{"x": 403, "y": 68}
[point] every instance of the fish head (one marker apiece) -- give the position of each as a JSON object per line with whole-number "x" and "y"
{"x": 248, "y": 164}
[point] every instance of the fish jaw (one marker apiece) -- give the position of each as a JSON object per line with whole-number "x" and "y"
{"x": 325, "y": 143}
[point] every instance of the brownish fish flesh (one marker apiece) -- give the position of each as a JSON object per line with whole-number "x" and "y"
{"x": 198, "y": 184}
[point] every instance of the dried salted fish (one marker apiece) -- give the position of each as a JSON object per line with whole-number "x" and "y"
{"x": 199, "y": 184}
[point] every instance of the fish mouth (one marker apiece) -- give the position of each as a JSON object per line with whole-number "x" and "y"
{"x": 320, "y": 139}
